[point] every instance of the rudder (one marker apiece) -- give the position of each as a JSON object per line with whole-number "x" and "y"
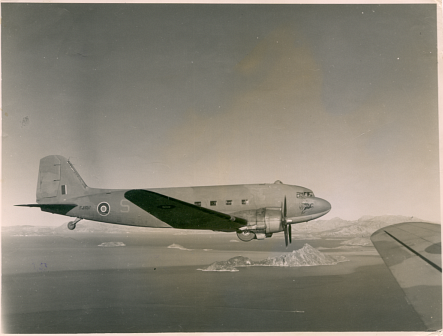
{"x": 58, "y": 180}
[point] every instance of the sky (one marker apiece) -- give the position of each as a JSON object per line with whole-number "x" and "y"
{"x": 341, "y": 99}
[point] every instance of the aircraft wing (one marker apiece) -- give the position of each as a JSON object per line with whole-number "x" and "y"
{"x": 183, "y": 215}
{"x": 412, "y": 252}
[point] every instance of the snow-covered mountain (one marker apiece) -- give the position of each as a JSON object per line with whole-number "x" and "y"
{"x": 90, "y": 226}
{"x": 28, "y": 230}
{"x": 306, "y": 256}
{"x": 336, "y": 227}
{"x": 82, "y": 227}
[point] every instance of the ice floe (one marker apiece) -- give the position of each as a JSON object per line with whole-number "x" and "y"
{"x": 179, "y": 247}
{"x": 112, "y": 244}
{"x": 359, "y": 241}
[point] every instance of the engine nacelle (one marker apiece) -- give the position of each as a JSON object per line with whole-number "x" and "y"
{"x": 263, "y": 221}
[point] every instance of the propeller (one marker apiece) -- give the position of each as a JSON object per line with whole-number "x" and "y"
{"x": 286, "y": 227}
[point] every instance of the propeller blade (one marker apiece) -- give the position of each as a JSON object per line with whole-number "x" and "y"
{"x": 290, "y": 233}
{"x": 286, "y": 230}
{"x": 284, "y": 209}
{"x": 286, "y": 235}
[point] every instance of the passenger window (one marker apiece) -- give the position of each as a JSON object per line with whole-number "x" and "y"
{"x": 213, "y": 203}
{"x": 229, "y": 202}
{"x": 245, "y": 201}
{"x": 198, "y": 203}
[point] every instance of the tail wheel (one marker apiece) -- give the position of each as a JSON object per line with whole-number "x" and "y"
{"x": 71, "y": 225}
{"x": 245, "y": 235}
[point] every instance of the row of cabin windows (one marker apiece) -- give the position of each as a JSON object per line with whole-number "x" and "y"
{"x": 228, "y": 202}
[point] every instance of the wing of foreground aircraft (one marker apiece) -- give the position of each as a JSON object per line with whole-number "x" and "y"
{"x": 412, "y": 252}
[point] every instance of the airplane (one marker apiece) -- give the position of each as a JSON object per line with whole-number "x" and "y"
{"x": 253, "y": 211}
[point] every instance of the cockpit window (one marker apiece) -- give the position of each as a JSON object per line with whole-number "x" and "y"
{"x": 305, "y": 194}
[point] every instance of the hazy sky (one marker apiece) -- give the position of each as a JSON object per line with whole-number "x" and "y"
{"x": 341, "y": 99}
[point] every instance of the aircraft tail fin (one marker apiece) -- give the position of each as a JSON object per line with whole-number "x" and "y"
{"x": 58, "y": 180}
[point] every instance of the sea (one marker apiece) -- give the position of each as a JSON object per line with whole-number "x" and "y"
{"x": 152, "y": 282}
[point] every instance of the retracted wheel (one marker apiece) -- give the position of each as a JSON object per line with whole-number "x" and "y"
{"x": 245, "y": 235}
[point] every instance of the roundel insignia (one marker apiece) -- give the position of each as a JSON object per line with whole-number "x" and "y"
{"x": 103, "y": 209}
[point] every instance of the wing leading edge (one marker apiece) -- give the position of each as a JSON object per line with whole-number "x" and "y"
{"x": 183, "y": 215}
{"x": 412, "y": 252}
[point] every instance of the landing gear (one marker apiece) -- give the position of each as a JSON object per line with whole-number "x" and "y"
{"x": 245, "y": 235}
{"x": 71, "y": 225}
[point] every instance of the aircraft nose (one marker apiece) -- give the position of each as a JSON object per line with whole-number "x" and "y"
{"x": 322, "y": 206}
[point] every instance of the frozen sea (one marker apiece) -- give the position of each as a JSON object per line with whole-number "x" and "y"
{"x": 149, "y": 282}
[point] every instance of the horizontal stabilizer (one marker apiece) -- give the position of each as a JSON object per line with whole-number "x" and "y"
{"x": 183, "y": 215}
{"x": 62, "y": 209}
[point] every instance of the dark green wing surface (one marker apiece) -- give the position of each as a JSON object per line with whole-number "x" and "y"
{"x": 183, "y": 215}
{"x": 412, "y": 251}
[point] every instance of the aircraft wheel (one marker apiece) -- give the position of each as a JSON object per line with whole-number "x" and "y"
{"x": 245, "y": 235}
{"x": 71, "y": 225}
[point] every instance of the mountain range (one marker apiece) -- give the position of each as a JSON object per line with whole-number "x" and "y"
{"x": 335, "y": 227}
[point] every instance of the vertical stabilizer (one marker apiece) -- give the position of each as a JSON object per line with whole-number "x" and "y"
{"x": 58, "y": 180}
